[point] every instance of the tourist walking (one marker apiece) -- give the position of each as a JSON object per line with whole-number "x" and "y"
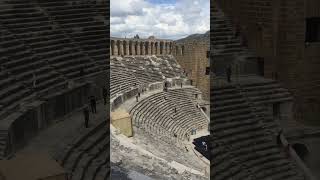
{"x": 137, "y": 98}
{"x": 86, "y": 116}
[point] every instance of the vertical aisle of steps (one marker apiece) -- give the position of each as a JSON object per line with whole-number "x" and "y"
{"x": 242, "y": 148}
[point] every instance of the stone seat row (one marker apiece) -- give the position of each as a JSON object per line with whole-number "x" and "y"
{"x": 33, "y": 44}
{"x": 86, "y": 157}
{"x": 141, "y": 69}
{"x": 243, "y": 140}
{"x": 148, "y": 114}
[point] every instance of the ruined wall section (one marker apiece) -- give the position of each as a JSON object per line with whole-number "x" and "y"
{"x": 132, "y": 47}
{"x": 256, "y": 22}
{"x": 194, "y": 60}
{"x": 276, "y": 31}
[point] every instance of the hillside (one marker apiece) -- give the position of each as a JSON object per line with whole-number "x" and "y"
{"x": 196, "y": 37}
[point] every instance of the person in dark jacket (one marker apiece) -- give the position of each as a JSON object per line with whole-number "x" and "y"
{"x": 93, "y": 104}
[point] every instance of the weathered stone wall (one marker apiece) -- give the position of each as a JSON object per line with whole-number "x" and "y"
{"x": 193, "y": 59}
{"x": 122, "y": 46}
{"x": 276, "y": 32}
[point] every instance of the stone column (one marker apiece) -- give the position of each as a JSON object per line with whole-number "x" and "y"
{"x": 138, "y": 48}
{"x": 158, "y": 48}
{"x": 111, "y": 48}
{"x": 127, "y": 48}
{"x": 142, "y": 48}
{"x": 166, "y": 48}
{"x": 115, "y": 48}
{"x": 149, "y": 48}
{"x": 121, "y": 48}
{"x": 152, "y": 48}
{"x": 131, "y": 46}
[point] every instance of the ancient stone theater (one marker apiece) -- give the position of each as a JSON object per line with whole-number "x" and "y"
{"x": 159, "y": 116}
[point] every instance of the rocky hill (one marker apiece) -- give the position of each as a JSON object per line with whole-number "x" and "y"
{"x": 195, "y": 37}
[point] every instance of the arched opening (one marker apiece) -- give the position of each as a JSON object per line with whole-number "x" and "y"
{"x": 136, "y": 48}
{"x": 118, "y": 47}
{"x": 141, "y": 48}
{"x": 152, "y": 48}
{"x": 130, "y": 47}
{"x": 161, "y": 47}
{"x": 125, "y": 48}
{"x": 301, "y": 150}
{"x": 156, "y": 48}
{"x": 182, "y": 50}
{"x": 146, "y": 48}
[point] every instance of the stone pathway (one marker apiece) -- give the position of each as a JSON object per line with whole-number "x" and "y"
{"x": 132, "y": 101}
{"x": 55, "y": 138}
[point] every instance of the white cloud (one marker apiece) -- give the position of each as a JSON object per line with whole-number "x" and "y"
{"x": 170, "y": 21}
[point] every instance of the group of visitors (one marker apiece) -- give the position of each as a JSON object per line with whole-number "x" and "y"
{"x": 93, "y": 106}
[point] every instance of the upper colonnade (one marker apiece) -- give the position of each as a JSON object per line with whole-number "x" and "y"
{"x": 133, "y": 46}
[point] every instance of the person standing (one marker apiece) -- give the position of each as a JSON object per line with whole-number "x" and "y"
{"x": 93, "y": 104}
{"x": 86, "y": 116}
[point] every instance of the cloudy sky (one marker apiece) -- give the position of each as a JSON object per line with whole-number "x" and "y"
{"x": 167, "y": 19}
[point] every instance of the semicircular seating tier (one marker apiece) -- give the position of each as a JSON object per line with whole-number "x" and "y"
{"x": 131, "y": 71}
{"x": 87, "y": 157}
{"x": 156, "y": 113}
{"x": 243, "y": 133}
{"x": 50, "y": 43}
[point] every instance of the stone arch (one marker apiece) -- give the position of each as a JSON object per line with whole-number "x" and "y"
{"x": 161, "y": 47}
{"x": 182, "y": 50}
{"x": 135, "y": 46}
{"x": 125, "y": 48}
{"x": 166, "y": 48}
{"x": 146, "y": 46}
{"x": 118, "y": 48}
{"x": 156, "y": 48}
{"x": 141, "y": 48}
{"x": 152, "y": 47}
{"x": 121, "y": 48}
{"x": 301, "y": 150}
{"x": 170, "y": 48}
{"x": 131, "y": 48}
